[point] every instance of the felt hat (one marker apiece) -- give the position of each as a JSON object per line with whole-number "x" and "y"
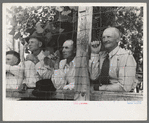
{"x": 38, "y": 36}
{"x": 44, "y": 88}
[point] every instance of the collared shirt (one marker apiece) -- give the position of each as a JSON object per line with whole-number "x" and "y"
{"x": 122, "y": 67}
{"x": 64, "y": 77}
{"x": 35, "y": 72}
{"x": 45, "y": 71}
{"x": 22, "y": 73}
{"x": 30, "y": 74}
{"x": 14, "y": 76}
{"x": 41, "y": 55}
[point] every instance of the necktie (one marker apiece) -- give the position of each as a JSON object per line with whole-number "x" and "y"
{"x": 104, "y": 75}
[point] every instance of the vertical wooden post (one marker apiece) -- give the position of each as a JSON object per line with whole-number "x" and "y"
{"x": 83, "y": 39}
{"x": 13, "y": 43}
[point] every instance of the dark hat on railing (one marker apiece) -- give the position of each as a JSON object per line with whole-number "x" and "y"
{"x": 44, "y": 88}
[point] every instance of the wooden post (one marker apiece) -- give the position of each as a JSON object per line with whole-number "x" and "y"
{"x": 13, "y": 43}
{"x": 83, "y": 39}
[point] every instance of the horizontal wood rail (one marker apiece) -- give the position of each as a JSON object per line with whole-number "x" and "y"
{"x": 69, "y": 95}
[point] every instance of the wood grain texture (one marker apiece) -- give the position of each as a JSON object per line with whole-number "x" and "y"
{"x": 83, "y": 39}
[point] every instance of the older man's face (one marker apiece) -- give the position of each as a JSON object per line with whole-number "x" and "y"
{"x": 34, "y": 44}
{"x": 109, "y": 39}
{"x": 68, "y": 49}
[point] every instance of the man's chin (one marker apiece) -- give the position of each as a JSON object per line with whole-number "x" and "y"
{"x": 64, "y": 57}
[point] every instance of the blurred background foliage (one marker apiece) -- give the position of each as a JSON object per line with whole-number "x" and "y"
{"x": 58, "y": 23}
{"x": 54, "y": 23}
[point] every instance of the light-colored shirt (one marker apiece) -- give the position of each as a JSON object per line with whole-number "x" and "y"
{"x": 30, "y": 74}
{"x": 14, "y": 76}
{"x": 64, "y": 77}
{"x": 41, "y": 55}
{"x": 35, "y": 72}
{"x": 122, "y": 69}
{"x": 43, "y": 70}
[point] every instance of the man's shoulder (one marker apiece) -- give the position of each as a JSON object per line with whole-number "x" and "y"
{"x": 41, "y": 55}
{"x": 102, "y": 53}
{"x": 123, "y": 51}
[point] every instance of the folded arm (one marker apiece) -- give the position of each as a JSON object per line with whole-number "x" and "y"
{"x": 58, "y": 79}
{"x": 15, "y": 70}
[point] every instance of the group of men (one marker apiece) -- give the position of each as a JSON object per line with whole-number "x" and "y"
{"x": 113, "y": 69}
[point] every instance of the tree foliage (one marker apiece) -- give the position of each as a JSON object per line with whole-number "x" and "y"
{"x": 46, "y": 21}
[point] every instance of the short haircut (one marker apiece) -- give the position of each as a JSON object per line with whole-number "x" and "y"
{"x": 12, "y": 52}
{"x": 116, "y": 30}
{"x": 39, "y": 37}
{"x": 74, "y": 44}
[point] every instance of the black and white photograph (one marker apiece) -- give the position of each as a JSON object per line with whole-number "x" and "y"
{"x": 77, "y": 55}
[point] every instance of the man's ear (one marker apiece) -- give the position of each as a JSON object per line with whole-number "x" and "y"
{"x": 40, "y": 44}
{"x": 15, "y": 60}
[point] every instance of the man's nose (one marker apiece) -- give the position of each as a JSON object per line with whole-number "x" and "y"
{"x": 63, "y": 50}
{"x": 105, "y": 39}
{"x": 29, "y": 44}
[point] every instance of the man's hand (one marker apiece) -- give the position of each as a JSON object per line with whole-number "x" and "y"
{"x": 22, "y": 87}
{"x": 69, "y": 87}
{"x": 49, "y": 62}
{"x": 95, "y": 47}
{"x": 32, "y": 58}
{"x": 56, "y": 59}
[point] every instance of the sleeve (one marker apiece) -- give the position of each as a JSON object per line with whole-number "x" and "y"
{"x": 94, "y": 66}
{"x": 31, "y": 76}
{"x": 127, "y": 72}
{"x": 44, "y": 71}
{"x": 15, "y": 70}
{"x": 58, "y": 79}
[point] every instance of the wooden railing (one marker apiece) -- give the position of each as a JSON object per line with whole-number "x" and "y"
{"x": 69, "y": 95}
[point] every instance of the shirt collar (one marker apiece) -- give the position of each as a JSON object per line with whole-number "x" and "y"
{"x": 72, "y": 63}
{"x": 113, "y": 52}
{"x": 41, "y": 55}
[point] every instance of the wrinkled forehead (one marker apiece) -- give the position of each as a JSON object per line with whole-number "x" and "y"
{"x": 108, "y": 31}
{"x": 111, "y": 32}
{"x": 10, "y": 56}
{"x": 68, "y": 43}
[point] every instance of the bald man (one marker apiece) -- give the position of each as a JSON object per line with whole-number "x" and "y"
{"x": 64, "y": 73}
{"x": 113, "y": 69}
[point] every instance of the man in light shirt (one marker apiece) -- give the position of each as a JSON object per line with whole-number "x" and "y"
{"x": 37, "y": 55}
{"x": 35, "y": 45}
{"x": 14, "y": 72}
{"x": 64, "y": 73}
{"x": 120, "y": 75}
